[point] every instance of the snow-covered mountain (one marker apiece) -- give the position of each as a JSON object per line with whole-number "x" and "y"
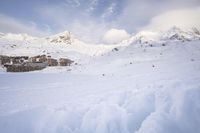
{"x": 65, "y": 44}
{"x": 60, "y": 45}
{"x": 160, "y": 37}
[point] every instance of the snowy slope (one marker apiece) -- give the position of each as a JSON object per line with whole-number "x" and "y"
{"x": 137, "y": 89}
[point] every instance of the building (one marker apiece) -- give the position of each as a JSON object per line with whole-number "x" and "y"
{"x": 25, "y": 64}
{"x": 39, "y": 58}
{"x": 12, "y": 59}
{"x": 25, "y": 67}
{"x": 65, "y": 62}
{"x": 51, "y": 61}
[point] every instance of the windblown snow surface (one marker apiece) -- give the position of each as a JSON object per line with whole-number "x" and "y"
{"x": 138, "y": 89}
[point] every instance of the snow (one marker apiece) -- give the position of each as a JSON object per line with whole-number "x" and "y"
{"x": 134, "y": 90}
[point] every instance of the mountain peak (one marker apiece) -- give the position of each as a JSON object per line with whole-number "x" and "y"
{"x": 63, "y": 37}
{"x": 176, "y": 33}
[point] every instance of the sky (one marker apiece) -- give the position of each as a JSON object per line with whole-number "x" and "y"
{"x": 91, "y": 19}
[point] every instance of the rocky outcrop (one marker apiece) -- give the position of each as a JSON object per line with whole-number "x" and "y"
{"x": 65, "y": 37}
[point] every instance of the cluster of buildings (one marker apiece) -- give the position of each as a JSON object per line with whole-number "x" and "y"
{"x": 25, "y": 63}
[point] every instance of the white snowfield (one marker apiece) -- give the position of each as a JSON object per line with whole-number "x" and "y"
{"x": 150, "y": 84}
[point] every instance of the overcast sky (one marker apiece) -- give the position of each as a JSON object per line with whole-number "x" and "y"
{"x": 89, "y": 19}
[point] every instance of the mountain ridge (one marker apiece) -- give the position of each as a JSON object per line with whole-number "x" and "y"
{"x": 65, "y": 43}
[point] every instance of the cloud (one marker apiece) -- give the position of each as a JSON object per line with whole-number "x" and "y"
{"x": 115, "y": 36}
{"x": 93, "y": 4}
{"x": 90, "y": 19}
{"x": 109, "y": 11}
{"x": 136, "y": 14}
{"x": 75, "y": 3}
{"x": 12, "y": 25}
{"x": 89, "y": 31}
{"x": 183, "y": 18}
